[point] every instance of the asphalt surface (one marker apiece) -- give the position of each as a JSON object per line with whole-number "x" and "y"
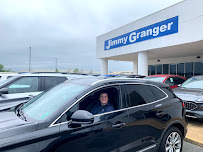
{"x": 195, "y": 132}
{"x": 188, "y": 147}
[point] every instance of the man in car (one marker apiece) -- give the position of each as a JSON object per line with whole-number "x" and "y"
{"x": 103, "y": 106}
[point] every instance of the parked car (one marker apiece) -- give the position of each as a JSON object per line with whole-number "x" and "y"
{"x": 136, "y": 76}
{"x": 172, "y": 80}
{"x": 96, "y": 75}
{"x": 146, "y": 116}
{"x": 191, "y": 92}
{"x": 21, "y": 87}
{"x": 4, "y": 75}
{"x": 107, "y": 76}
{"x": 129, "y": 76}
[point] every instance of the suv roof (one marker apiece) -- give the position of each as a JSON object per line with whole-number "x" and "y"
{"x": 51, "y": 74}
{"x": 98, "y": 81}
{"x": 68, "y": 76}
{"x": 5, "y": 75}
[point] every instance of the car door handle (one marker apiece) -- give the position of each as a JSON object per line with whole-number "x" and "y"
{"x": 118, "y": 125}
{"x": 160, "y": 113}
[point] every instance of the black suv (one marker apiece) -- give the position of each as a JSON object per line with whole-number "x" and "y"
{"x": 20, "y": 88}
{"x": 147, "y": 116}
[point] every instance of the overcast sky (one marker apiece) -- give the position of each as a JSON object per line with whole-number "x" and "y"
{"x": 65, "y": 29}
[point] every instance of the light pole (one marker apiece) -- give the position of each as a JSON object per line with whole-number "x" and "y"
{"x": 30, "y": 61}
{"x": 56, "y": 64}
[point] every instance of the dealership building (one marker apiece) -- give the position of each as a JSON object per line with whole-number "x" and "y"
{"x": 169, "y": 41}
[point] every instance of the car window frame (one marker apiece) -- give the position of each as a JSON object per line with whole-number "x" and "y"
{"x": 150, "y": 102}
{"x": 18, "y": 78}
{"x": 154, "y": 92}
{"x": 43, "y": 81}
{"x": 128, "y": 96}
{"x": 86, "y": 95}
{"x": 179, "y": 78}
{"x": 170, "y": 81}
{"x": 9, "y": 82}
{"x": 122, "y": 109}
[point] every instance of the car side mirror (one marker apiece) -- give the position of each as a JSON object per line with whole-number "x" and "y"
{"x": 3, "y": 91}
{"x": 179, "y": 85}
{"x": 82, "y": 117}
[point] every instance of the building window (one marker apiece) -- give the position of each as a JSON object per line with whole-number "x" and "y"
{"x": 188, "y": 70}
{"x": 198, "y": 68}
{"x": 159, "y": 69}
{"x": 180, "y": 69}
{"x": 173, "y": 69}
{"x": 149, "y": 69}
{"x": 165, "y": 68}
{"x": 152, "y": 69}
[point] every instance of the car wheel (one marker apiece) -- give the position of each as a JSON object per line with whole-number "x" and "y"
{"x": 172, "y": 141}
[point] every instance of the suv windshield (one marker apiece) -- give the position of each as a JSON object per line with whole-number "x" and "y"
{"x": 42, "y": 106}
{"x": 193, "y": 83}
{"x": 157, "y": 79}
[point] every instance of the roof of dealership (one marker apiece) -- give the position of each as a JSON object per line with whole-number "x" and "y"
{"x": 171, "y": 35}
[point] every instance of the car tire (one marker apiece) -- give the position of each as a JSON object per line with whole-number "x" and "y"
{"x": 172, "y": 139}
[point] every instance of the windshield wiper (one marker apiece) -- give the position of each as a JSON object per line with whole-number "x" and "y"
{"x": 20, "y": 113}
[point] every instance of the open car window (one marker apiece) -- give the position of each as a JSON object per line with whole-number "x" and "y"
{"x": 90, "y": 101}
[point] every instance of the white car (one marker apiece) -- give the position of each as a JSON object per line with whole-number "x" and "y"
{"x": 4, "y": 76}
{"x": 22, "y": 87}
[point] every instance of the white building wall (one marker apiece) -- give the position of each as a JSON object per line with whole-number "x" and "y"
{"x": 143, "y": 63}
{"x": 190, "y": 14}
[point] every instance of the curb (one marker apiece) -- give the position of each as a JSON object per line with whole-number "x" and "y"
{"x": 190, "y": 140}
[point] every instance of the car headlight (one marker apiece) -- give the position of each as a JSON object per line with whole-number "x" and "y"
{"x": 200, "y": 100}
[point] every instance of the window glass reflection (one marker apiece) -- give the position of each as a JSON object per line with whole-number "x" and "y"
{"x": 149, "y": 68}
{"x": 165, "y": 68}
{"x": 152, "y": 69}
{"x": 198, "y": 68}
{"x": 173, "y": 69}
{"x": 159, "y": 69}
{"x": 180, "y": 69}
{"x": 188, "y": 70}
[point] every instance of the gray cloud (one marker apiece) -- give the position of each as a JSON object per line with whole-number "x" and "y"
{"x": 65, "y": 29}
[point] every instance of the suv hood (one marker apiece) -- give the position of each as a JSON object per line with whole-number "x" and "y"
{"x": 10, "y": 104}
{"x": 189, "y": 94}
{"x": 11, "y": 124}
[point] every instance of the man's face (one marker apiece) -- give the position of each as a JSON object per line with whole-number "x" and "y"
{"x": 104, "y": 98}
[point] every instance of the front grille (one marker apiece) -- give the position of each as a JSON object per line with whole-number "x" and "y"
{"x": 190, "y": 105}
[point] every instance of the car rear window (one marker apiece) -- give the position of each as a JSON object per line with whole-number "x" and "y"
{"x": 139, "y": 94}
{"x": 157, "y": 92}
{"x": 9, "y": 77}
{"x": 50, "y": 82}
{"x": 178, "y": 80}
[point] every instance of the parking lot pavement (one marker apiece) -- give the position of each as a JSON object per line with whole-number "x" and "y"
{"x": 195, "y": 132}
{"x": 188, "y": 147}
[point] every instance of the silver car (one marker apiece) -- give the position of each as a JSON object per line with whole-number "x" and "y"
{"x": 21, "y": 88}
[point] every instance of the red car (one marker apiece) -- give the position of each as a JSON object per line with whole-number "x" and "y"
{"x": 172, "y": 80}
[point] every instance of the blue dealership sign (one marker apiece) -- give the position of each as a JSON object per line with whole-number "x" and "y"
{"x": 163, "y": 28}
